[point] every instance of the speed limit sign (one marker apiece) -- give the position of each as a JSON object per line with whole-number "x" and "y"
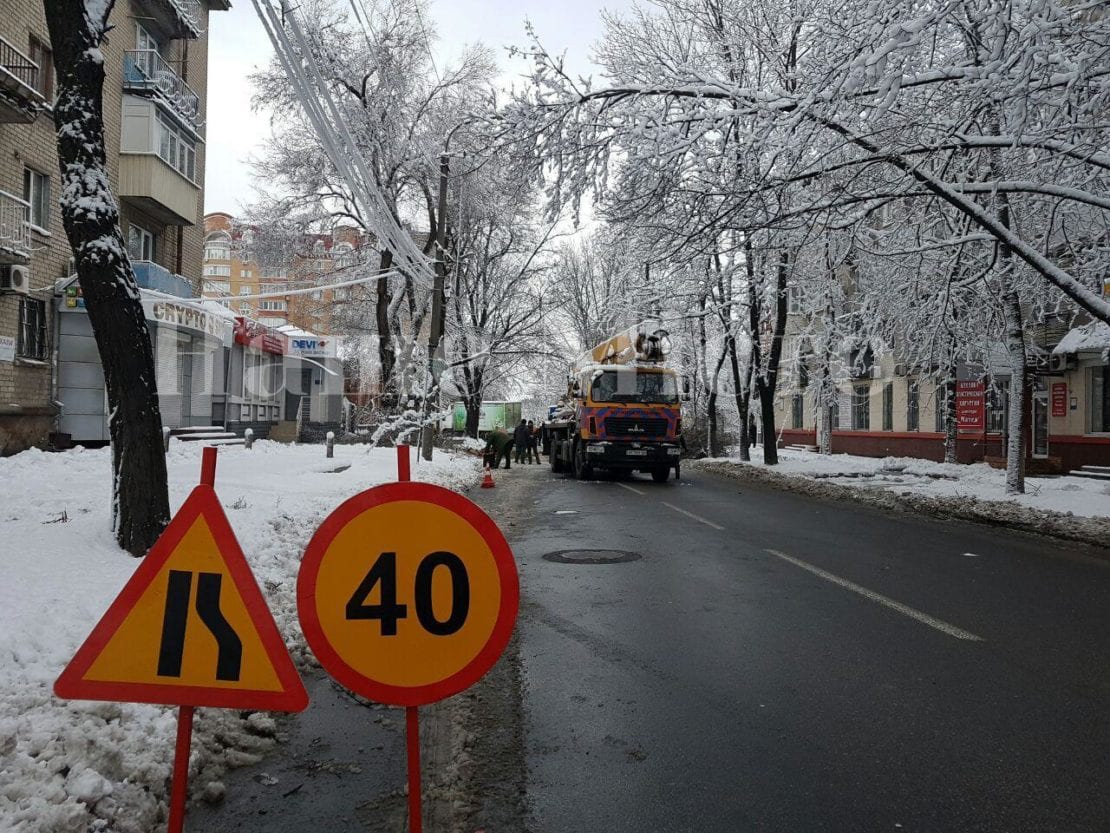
{"x": 407, "y": 593}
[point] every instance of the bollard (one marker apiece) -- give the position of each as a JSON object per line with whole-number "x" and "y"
{"x": 248, "y": 438}
{"x": 165, "y": 439}
{"x": 330, "y": 442}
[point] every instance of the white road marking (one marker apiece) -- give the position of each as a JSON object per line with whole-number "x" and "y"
{"x": 631, "y": 489}
{"x": 971, "y": 555}
{"x": 566, "y": 511}
{"x": 905, "y": 610}
{"x": 697, "y": 518}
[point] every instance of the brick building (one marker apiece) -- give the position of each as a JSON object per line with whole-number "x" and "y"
{"x": 155, "y": 92}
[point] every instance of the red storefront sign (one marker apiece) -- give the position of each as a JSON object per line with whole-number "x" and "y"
{"x": 970, "y": 406}
{"x": 252, "y": 334}
{"x": 1059, "y": 399}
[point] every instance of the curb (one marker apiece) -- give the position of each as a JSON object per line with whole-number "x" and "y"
{"x": 1045, "y": 522}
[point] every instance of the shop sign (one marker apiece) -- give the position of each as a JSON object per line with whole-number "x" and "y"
{"x": 7, "y": 348}
{"x": 312, "y": 346}
{"x": 252, "y": 334}
{"x": 75, "y": 298}
{"x": 970, "y": 406}
{"x": 185, "y": 316}
{"x": 1059, "y": 399}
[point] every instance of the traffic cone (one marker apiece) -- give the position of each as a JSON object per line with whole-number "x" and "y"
{"x": 487, "y": 481}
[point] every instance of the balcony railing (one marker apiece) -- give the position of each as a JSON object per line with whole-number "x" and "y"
{"x": 189, "y": 11}
{"x": 15, "y": 234}
{"x": 150, "y": 275}
{"x": 20, "y": 98}
{"x": 144, "y": 70}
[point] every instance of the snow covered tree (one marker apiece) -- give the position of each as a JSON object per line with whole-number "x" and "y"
{"x": 140, "y": 500}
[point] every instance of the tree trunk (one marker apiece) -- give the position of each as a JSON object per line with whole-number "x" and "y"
{"x": 473, "y": 416}
{"x": 386, "y": 356}
{"x": 1015, "y": 442}
{"x": 140, "y": 500}
{"x": 950, "y": 425}
{"x": 767, "y": 382}
{"x": 742, "y": 392}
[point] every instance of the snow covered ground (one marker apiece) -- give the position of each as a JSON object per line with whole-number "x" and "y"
{"x": 1076, "y": 496}
{"x": 72, "y": 767}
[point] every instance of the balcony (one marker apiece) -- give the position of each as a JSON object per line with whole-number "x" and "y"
{"x": 20, "y": 100}
{"x": 150, "y": 275}
{"x": 146, "y": 72}
{"x": 174, "y": 18}
{"x": 15, "y": 234}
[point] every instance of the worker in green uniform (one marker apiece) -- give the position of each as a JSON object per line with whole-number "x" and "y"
{"x": 499, "y": 445}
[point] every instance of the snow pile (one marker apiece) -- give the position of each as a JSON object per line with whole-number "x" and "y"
{"x": 70, "y": 767}
{"x": 1088, "y": 338}
{"x": 1071, "y": 507}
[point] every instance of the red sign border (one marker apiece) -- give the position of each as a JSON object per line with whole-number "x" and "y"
{"x": 71, "y": 685}
{"x": 499, "y": 637}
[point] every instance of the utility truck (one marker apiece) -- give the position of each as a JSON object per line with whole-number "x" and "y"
{"x": 622, "y": 410}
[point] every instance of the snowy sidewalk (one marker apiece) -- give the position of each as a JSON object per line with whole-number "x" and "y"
{"x": 1069, "y": 507}
{"x": 73, "y": 767}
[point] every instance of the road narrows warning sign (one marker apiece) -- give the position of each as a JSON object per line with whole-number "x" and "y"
{"x": 190, "y": 627}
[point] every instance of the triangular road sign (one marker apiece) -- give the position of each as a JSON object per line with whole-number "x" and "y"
{"x": 189, "y": 628}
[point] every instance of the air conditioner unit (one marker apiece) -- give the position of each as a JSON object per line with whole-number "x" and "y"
{"x": 15, "y": 278}
{"x": 1059, "y": 362}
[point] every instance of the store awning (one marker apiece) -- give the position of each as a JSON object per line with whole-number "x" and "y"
{"x": 1090, "y": 338}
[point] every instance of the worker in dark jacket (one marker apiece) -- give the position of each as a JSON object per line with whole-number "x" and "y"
{"x": 520, "y": 440}
{"x": 498, "y": 446}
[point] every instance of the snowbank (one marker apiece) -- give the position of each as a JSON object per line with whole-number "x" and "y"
{"x": 78, "y": 766}
{"x": 1069, "y": 507}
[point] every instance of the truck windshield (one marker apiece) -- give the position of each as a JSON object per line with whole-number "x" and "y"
{"x": 631, "y": 385}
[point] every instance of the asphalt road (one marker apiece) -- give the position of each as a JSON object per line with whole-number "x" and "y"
{"x": 774, "y": 662}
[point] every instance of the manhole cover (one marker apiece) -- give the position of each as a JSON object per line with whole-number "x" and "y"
{"x": 591, "y": 556}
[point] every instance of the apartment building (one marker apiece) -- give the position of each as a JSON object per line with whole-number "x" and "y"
{"x": 155, "y": 90}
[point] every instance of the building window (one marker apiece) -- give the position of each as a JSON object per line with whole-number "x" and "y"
{"x": 222, "y": 287}
{"x": 244, "y": 290}
{"x": 797, "y": 411}
{"x": 217, "y": 251}
{"x": 245, "y": 309}
{"x": 32, "y": 329}
{"x": 244, "y": 273}
{"x": 317, "y": 295}
{"x": 217, "y": 271}
{"x": 913, "y": 405}
{"x": 1100, "y": 399}
{"x": 272, "y": 306}
{"x": 140, "y": 243}
{"x": 36, "y": 191}
{"x": 861, "y": 408}
{"x": 941, "y": 409}
{"x": 40, "y": 53}
{"x": 888, "y": 406}
{"x": 175, "y": 149}
{"x": 998, "y": 404}
{"x": 795, "y": 300}
{"x": 834, "y": 414}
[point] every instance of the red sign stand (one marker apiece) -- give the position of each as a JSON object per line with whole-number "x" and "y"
{"x": 412, "y": 720}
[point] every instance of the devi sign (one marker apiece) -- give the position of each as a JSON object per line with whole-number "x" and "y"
{"x": 318, "y": 347}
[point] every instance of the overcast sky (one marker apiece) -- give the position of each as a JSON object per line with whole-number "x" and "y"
{"x": 238, "y": 44}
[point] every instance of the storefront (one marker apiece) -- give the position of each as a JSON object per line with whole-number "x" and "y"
{"x": 255, "y": 374}
{"x": 189, "y": 337}
{"x": 1078, "y": 397}
{"x": 313, "y": 378}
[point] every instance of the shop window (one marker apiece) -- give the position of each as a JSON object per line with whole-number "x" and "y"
{"x": 998, "y": 407}
{"x": 941, "y": 409}
{"x": 913, "y": 405}
{"x": 861, "y": 408}
{"x": 1100, "y": 399}
{"x": 888, "y": 406}
{"x": 32, "y": 329}
{"x": 797, "y": 411}
{"x": 834, "y": 415}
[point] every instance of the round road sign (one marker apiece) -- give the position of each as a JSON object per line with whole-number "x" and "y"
{"x": 407, "y": 593}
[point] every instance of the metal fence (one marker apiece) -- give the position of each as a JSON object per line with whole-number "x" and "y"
{"x": 19, "y": 66}
{"x": 15, "y": 234}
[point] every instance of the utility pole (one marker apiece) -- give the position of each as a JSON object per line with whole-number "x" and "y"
{"x": 435, "y": 327}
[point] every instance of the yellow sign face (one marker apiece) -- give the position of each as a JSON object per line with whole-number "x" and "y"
{"x": 189, "y": 628}
{"x": 407, "y": 593}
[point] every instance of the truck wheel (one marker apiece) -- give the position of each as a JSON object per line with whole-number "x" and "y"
{"x": 582, "y": 469}
{"x": 661, "y": 474}
{"x": 553, "y": 456}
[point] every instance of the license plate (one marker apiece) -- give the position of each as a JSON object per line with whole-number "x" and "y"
{"x": 636, "y": 452}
